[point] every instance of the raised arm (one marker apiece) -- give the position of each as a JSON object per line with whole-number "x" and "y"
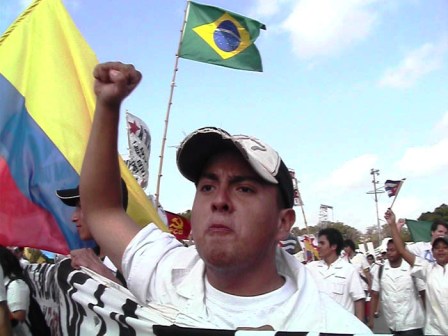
{"x": 399, "y": 244}
{"x": 100, "y": 187}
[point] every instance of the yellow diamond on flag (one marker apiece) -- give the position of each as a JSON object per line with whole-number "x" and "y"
{"x": 226, "y": 36}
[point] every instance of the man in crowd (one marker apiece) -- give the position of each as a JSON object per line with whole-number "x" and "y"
{"x": 92, "y": 259}
{"x": 434, "y": 274}
{"x": 373, "y": 270}
{"x": 439, "y": 228}
{"x": 360, "y": 262}
{"x": 5, "y": 325}
{"x": 335, "y": 276}
{"x": 402, "y": 296}
{"x": 236, "y": 275}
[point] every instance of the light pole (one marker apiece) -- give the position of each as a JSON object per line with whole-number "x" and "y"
{"x": 374, "y": 173}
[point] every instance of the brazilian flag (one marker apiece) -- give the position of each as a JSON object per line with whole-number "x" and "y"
{"x": 216, "y": 36}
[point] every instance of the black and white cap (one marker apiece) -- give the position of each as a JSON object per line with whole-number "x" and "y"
{"x": 197, "y": 148}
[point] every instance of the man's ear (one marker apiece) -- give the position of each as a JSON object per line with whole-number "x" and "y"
{"x": 287, "y": 218}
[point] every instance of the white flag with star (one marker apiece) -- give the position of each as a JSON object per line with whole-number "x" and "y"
{"x": 139, "y": 140}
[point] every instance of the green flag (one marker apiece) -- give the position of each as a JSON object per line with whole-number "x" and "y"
{"x": 216, "y": 36}
{"x": 419, "y": 230}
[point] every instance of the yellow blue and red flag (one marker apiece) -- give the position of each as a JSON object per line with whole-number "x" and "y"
{"x": 46, "y": 110}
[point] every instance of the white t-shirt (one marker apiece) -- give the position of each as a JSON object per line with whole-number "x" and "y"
{"x": 161, "y": 270}
{"x": 402, "y": 306}
{"x": 436, "y": 297}
{"x": 227, "y": 309}
{"x": 2, "y": 286}
{"x": 340, "y": 281}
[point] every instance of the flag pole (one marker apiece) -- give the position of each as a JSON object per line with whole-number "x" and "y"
{"x": 396, "y": 194}
{"x": 170, "y": 102}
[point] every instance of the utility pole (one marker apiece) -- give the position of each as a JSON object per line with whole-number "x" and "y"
{"x": 374, "y": 173}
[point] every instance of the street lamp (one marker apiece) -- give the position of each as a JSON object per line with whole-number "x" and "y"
{"x": 376, "y": 191}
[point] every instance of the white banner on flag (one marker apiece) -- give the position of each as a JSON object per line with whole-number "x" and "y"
{"x": 139, "y": 140}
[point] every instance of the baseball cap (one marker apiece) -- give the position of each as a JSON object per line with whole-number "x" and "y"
{"x": 442, "y": 238}
{"x": 197, "y": 148}
{"x": 71, "y": 197}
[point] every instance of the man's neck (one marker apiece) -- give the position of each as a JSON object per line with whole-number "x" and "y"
{"x": 396, "y": 263}
{"x": 331, "y": 259}
{"x": 241, "y": 284}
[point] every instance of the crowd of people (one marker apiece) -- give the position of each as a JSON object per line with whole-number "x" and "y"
{"x": 235, "y": 275}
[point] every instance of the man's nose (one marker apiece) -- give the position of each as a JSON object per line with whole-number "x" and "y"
{"x": 222, "y": 200}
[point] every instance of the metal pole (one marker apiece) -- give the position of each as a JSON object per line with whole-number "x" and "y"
{"x": 374, "y": 173}
{"x": 167, "y": 117}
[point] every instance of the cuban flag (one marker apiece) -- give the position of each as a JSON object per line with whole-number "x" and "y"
{"x": 392, "y": 187}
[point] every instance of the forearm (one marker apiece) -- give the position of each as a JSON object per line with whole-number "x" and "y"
{"x": 360, "y": 309}
{"x": 5, "y": 324}
{"x": 100, "y": 185}
{"x": 373, "y": 305}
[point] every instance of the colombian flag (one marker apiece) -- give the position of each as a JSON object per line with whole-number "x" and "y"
{"x": 46, "y": 110}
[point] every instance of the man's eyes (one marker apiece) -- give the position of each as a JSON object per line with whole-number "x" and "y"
{"x": 205, "y": 187}
{"x": 246, "y": 189}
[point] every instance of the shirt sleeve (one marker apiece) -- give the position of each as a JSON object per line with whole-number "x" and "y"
{"x": 142, "y": 256}
{"x": 18, "y": 296}
{"x": 356, "y": 289}
{"x": 420, "y": 268}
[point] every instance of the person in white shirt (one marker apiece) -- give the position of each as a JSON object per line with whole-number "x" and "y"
{"x": 401, "y": 295}
{"x": 435, "y": 274}
{"x": 5, "y": 324}
{"x": 360, "y": 262}
{"x": 91, "y": 258}
{"x": 439, "y": 228}
{"x": 17, "y": 292}
{"x": 335, "y": 276}
{"x": 236, "y": 275}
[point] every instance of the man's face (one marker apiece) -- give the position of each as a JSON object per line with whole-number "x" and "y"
{"x": 325, "y": 250}
{"x": 78, "y": 219}
{"x": 370, "y": 260}
{"x": 392, "y": 253}
{"x": 348, "y": 251}
{"x": 439, "y": 232}
{"x": 236, "y": 219}
{"x": 440, "y": 252}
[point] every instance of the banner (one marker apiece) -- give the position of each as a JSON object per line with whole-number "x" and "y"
{"x": 139, "y": 139}
{"x": 81, "y": 302}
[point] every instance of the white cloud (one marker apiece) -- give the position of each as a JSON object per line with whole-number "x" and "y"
{"x": 425, "y": 160}
{"x": 351, "y": 174}
{"x": 442, "y": 126}
{"x": 419, "y": 62}
{"x": 323, "y": 27}
{"x": 265, "y": 8}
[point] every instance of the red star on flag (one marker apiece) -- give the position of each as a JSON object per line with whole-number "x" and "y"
{"x": 133, "y": 127}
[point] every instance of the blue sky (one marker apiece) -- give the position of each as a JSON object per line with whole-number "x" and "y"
{"x": 347, "y": 86}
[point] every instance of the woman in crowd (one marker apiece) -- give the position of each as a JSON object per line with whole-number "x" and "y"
{"x": 17, "y": 292}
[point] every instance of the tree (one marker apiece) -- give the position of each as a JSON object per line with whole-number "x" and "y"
{"x": 347, "y": 231}
{"x": 186, "y": 214}
{"x": 439, "y": 213}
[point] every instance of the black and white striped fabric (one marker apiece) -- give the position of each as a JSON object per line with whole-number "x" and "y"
{"x": 81, "y": 302}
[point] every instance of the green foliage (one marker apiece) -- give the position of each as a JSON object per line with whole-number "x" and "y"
{"x": 186, "y": 214}
{"x": 347, "y": 231}
{"x": 439, "y": 213}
